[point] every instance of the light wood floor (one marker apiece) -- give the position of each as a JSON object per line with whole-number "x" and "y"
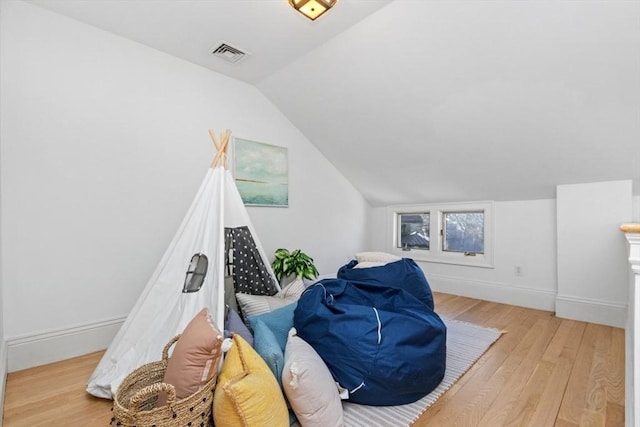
{"x": 544, "y": 371}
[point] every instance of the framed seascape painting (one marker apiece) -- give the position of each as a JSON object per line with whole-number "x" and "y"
{"x": 261, "y": 173}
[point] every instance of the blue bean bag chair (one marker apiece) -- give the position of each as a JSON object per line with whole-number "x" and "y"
{"x": 403, "y": 274}
{"x": 383, "y": 344}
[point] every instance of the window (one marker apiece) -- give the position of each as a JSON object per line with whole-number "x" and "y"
{"x": 455, "y": 233}
{"x": 463, "y": 232}
{"x": 195, "y": 273}
{"x": 413, "y": 230}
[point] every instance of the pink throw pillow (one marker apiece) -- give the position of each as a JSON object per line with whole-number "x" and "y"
{"x": 195, "y": 357}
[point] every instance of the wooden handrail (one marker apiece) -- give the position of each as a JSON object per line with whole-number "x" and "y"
{"x": 632, "y": 227}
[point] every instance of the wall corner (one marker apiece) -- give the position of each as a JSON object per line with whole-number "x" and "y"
{"x": 3, "y": 376}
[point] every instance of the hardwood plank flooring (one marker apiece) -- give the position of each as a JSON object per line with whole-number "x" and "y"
{"x": 544, "y": 371}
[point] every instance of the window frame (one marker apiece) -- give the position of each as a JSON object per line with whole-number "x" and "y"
{"x": 435, "y": 253}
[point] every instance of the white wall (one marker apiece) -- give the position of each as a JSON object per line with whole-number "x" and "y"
{"x": 104, "y": 143}
{"x": 3, "y": 347}
{"x": 593, "y": 271}
{"x": 525, "y": 236}
{"x": 592, "y": 264}
{"x": 632, "y": 374}
{"x": 632, "y": 345}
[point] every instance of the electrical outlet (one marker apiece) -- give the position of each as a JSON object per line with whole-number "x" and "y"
{"x": 518, "y": 270}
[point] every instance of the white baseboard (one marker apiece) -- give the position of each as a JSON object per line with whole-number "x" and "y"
{"x": 583, "y": 309}
{"x": 39, "y": 349}
{"x": 593, "y": 311}
{"x": 3, "y": 376}
{"x": 493, "y": 291}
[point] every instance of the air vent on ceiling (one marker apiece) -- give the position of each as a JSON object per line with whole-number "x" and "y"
{"x": 229, "y": 53}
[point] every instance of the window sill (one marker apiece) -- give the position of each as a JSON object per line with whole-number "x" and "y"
{"x": 480, "y": 261}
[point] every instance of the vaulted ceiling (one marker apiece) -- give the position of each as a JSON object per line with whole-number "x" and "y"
{"x": 417, "y": 100}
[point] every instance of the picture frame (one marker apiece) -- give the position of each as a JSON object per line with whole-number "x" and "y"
{"x": 261, "y": 173}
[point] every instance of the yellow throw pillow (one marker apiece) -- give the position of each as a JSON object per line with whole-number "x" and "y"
{"x": 247, "y": 393}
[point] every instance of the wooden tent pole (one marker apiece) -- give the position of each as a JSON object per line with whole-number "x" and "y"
{"x": 221, "y": 148}
{"x": 212, "y": 134}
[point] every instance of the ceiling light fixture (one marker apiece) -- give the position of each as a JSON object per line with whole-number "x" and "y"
{"x": 312, "y": 9}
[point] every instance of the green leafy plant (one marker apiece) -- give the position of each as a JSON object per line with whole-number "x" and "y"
{"x": 293, "y": 263}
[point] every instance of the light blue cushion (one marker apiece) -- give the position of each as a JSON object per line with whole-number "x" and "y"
{"x": 266, "y": 345}
{"x": 279, "y": 321}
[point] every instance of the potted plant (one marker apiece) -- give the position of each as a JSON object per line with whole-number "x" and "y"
{"x": 295, "y": 263}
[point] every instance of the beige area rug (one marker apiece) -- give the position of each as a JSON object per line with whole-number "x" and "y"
{"x": 466, "y": 342}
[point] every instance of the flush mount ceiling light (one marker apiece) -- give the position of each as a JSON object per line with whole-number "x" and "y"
{"x": 312, "y": 9}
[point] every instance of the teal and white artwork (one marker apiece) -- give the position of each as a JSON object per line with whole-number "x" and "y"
{"x": 261, "y": 173}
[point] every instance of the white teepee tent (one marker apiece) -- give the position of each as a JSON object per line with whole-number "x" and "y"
{"x": 163, "y": 309}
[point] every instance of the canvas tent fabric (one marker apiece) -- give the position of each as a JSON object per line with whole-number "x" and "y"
{"x": 163, "y": 310}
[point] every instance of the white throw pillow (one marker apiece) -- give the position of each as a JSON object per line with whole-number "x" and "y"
{"x": 252, "y": 305}
{"x": 293, "y": 289}
{"x": 367, "y": 264}
{"x": 382, "y": 257}
{"x": 309, "y": 386}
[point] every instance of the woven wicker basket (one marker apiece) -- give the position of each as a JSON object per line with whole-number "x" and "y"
{"x": 135, "y": 402}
